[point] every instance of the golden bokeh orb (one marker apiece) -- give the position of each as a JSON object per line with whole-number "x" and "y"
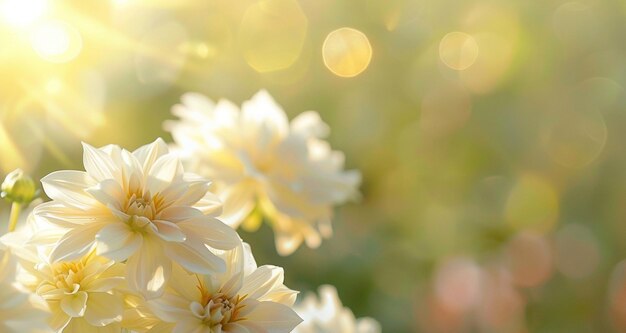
{"x": 347, "y": 52}
{"x": 458, "y": 50}
{"x": 272, "y": 34}
{"x": 56, "y": 41}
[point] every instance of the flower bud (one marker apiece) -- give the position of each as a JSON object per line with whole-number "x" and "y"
{"x": 18, "y": 187}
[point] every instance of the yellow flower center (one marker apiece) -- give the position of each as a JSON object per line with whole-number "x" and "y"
{"x": 68, "y": 275}
{"x": 143, "y": 205}
{"x": 216, "y": 310}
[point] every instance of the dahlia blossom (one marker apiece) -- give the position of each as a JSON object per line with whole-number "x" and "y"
{"x": 265, "y": 165}
{"x": 140, "y": 208}
{"x": 20, "y": 311}
{"x": 244, "y": 299}
{"x": 83, "y": 295}
{"x": 329, "y": 316}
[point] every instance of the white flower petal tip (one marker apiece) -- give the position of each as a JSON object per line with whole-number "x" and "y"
{"x": 328, "y": 315}
{"x": 265, "y": 165}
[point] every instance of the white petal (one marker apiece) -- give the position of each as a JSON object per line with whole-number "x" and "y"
{"x": 117, "y": 241}
{"x": 78, "y": 325}
{"x": 287, "y": 243}
{"x": 64, "y": 216}
{"x": 98, "y": 164}
{"x": 184, "y": 283}
{"x": 170, "y": 308}
{"x": 169, "y": 231}
{"x": 261, "y": 113}
{"x": 269, "y": 316}
{"x": 75, "y": 305}
{"x": 75, "y": 243}
{"x": 195, "y": 191}
{"x": 58, "y": 318}
{"x": 209, "y": 205}
{"x": 103, "y": 284}
{"x": 146, "y": 155}
{"x": 236, "y": 328}
{"x": 191, "y": 325}
{"x": 238, "y": 203}
{"x": 149, "y": 269}
{"x": 310, "y": 124}
{"x": 108, "y": 192}
{"x": 69, "y": 188}
{"x": 165, "y": 170}
{"x": 262, "y": 281}
{"x": 281, "y": 294}
{"x": 103, "y": 309}
{"x": 211, "y": 232}
{"x": 195, "y": 257}
{"x": 367, "y": 325}
{"x": 178, "y": 213}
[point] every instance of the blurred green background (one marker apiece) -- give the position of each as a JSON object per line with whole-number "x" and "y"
{"x": 489, "y": 134}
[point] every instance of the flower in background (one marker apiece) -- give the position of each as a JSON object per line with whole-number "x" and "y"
{"x": 20, "y": 311}
{"x": 327, "y": 315}
{"x": 245, "y": 298}
{"x": 265, "y": 165}
{"x": 138, "y": 207}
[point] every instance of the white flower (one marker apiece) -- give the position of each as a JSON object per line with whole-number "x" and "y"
{"x": 82, "y": 295}
{"x": 245, "y": 299}
{"x": 259, "y": 159}
{"x": 140, "y": 207}
{"x": 20, "y": 311}
{"x": 329, "y": 316}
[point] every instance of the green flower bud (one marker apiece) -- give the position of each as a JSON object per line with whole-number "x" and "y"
{"x": 18, "y": 187}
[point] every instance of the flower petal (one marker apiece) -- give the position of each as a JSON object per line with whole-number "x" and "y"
{"x": 170, "y": 308}
{"x": 146, "y": 155}
{"x": 178, "y": 213}
{"x": 149, "y": 269}
{"x": 75, "y": 305}
{"x": 195, "y": 257}
{"x": 117, "y": 241}
{"x": 165, "y": 170}
{"x": 169, "y": 231}
{"x": 211, "y": 231}
{"x": 310, "y": 124}
{"x": 262, "y": 281}
{"x": 269, "y": 317}
{"x": 103, "y": 284}
{"x": 238, "y": 203}
{"x": 108, "y": 192}
{"x": 69, "y": 187}
{"x": 98, "y": 164}
{"x": 103, "y": 309}
{"x": 75, "y": 243}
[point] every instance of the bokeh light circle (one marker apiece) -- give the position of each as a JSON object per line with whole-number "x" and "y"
{"x": 458, "y": 50}
{"x": 56, "y": 41}
{"x": 346, "y": 52}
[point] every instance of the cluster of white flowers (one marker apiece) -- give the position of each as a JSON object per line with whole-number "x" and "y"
{"x": 136, "y": 244}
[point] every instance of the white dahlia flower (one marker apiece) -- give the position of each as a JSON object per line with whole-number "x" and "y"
{"x": 20, "y": 311}
{"x": 244, "y": 299}
{"x": 138, "y": 207}
{"x": 328, "y": 315}
{"x": 83, "y": 295}
{"x": 263, "y": 164}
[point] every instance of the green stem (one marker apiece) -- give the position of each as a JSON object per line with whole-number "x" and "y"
{"x": 15, "y": 214}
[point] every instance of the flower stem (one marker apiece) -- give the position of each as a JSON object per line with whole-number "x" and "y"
{"x": 15, "y": 214}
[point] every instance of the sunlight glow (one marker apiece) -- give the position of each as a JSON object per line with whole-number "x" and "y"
{"x": 56, "y": 41}
{"x": 22, "y": 13}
